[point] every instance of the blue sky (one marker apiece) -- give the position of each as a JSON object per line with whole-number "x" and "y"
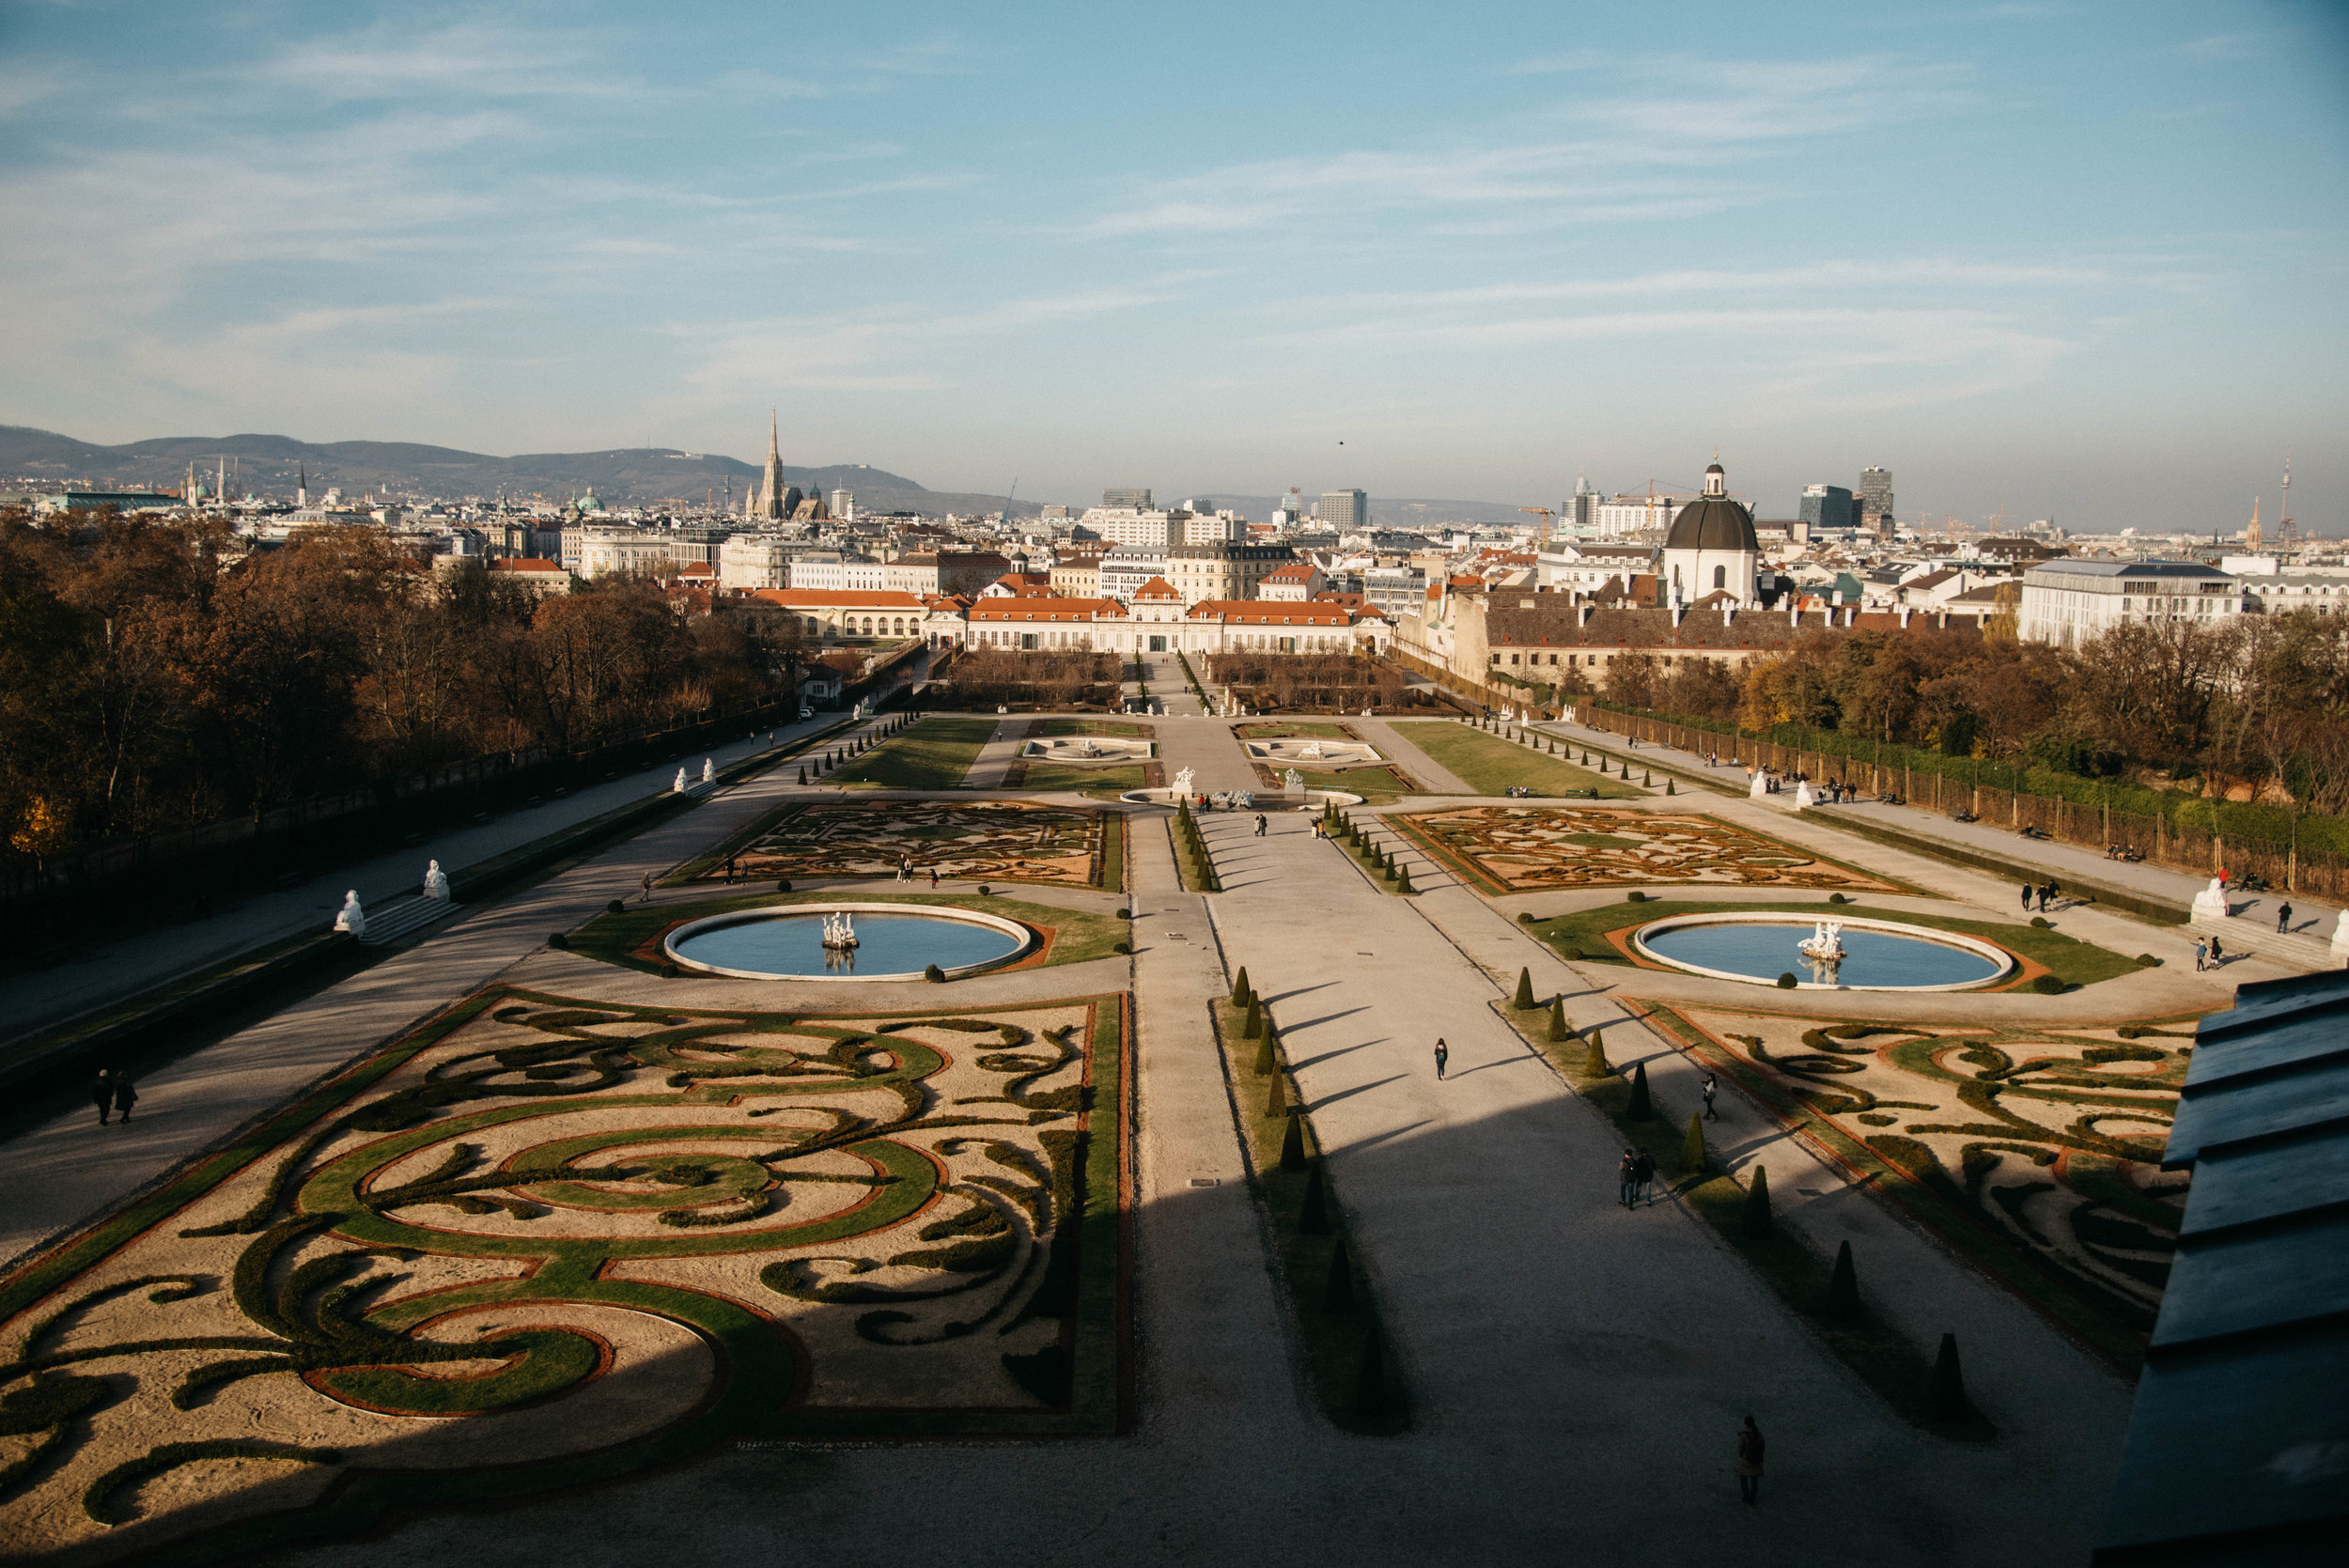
{"x": 2073, "y": 260}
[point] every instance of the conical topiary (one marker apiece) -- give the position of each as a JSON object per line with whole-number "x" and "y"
{"x": 1403, "y": 879}
{"x": 1640, "y": 1108}
{"x": 1293, "y": 1143}
{"x": 1843, "y": 1288}
{"x": 1594, "y": 1055}
{"x": 1276, "y": 1097}
{"x": 1949, "y": 1383}
{"x": 1756, "y": 1217}
{"x": 1267, "y": 1055}
{"x": 1558, "y": 1030}
{"x": 1313, "y": 1216}
{"x": 1241, "y": 993}
{"x": 1668, "y": 789}
{"x": 1370, "y": 1389}
{"x": 802, "y": 772}
{"x": 1693, "y": 1145}
{"x": 1253, "y": 1028}
{"x": 1647, "y": 780}
{"x": 1524, "y": 1000}
{"x": 1337, "y": 1295}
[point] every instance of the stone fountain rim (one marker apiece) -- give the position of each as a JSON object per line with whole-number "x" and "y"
{"x": 2006, "y": 961}
{"x": 1027, "y": 935}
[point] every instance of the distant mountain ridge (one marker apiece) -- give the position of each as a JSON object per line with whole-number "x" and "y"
{"x": 267, "y": 464}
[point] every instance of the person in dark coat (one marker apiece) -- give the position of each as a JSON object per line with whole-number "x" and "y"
{"x": 1443, "y": 1055}
{"x": 1749, "y": 1461}
{"x": 1627, "y": 1177}
{"x": 1644, "y": 1177}
{"x": 2028, "y": 892}
{"x": 125, "y": 1096}
{"x": 102, "y": 1093}
{"x": 2283, "y": 919}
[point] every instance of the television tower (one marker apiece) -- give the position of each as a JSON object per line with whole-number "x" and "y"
{"x": 2284, "y": 539}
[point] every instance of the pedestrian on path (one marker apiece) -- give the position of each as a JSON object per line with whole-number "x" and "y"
{"x": 2217, "y": 954}
{"x": 2201, "y": 956}
{"x": 125, "y": 1098}
{"x": 1712, "y": 1086}
{"x": 933, "y": 878}
{"x": 645, "y": 886}
{"x": 2046, "y": 890}
{"x": 2283, "y": 919}
{"x": 1644, "y": 1177}
{"x": 1749, "y": 1447}
{"x": 102, "y": 1093}
{"x": 2027, "y": 891}
{"x": 1627, "y": 1177}
{"x": 1260, "y": 824}
{"x": 1443, "y": 1054}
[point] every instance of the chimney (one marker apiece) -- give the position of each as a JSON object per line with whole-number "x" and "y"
{"x": 1583, "y": 619}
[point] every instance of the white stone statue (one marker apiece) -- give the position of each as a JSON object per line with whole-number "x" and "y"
{"x": 676, "y": 785}
{"x": 1182, "y": 783}
{"x": 839, "y": 931}
{"x": 709, "y": 771}
{"x": 1826, "y": 943}
{"x": 857, "y": 712}
{"x": 1311, "y": 751}
{"x": 2341, "y": 938}
{"x": 1761, "y": 786}
{"x": 1803, "y": 798}
{"x": 1293, "y": 782}
{"x": 2211, "y": 903}
{"x": 435, "y": 882}
{"x": 352, "y": 919}
{"x": 1365, "y": 713}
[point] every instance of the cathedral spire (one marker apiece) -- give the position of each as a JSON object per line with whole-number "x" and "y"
{"x": 770, "y": 504}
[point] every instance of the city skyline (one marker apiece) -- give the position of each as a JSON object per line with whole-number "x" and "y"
{"x": 2038, "y": 261}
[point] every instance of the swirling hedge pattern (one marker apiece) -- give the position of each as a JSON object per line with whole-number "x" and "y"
{"x": 545, "y": 1240}
{"x": 1000, "y": 841}
{"x": 2047, "y": 1140}
{"x": 1507, "y": 850}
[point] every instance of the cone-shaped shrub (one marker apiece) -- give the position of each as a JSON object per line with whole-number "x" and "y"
{"x": 1668, "y": 789}
{"x": 1403, "y": 880}
{"x": 1293, "y": 1144}
{"x": 1241, "y": 995}
{"x": 1338, "y": 1295}
{"x": 1640, "y": 1108}
{"x": 1756, "y": 1219}
{"x": 1267, "y": 1055}
{"x": 1558, "y": 1030}
{"x": 1949, "y": 1383}
{"x": 1843, "y": 1288}
{"x": 1313, "y": 1216}
{"x": 1252, "y": 1028}
{"x": 1275, "y": 1096}
{"x": 1647, "y": 780}
{"x": 1594, "y": 1057}
{"x": 1370, "y": 1391}
{"x": 802, "y": 773}
{"x": 1693, "y": 1145}
{"x": 1524, "y": 1001}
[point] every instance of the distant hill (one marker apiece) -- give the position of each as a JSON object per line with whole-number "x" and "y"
{"x": 267, "y": 465}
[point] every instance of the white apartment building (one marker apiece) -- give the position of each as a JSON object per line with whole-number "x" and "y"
{"x": 592, "y": 553}
{"x": 1134, "y": 525}
{"x": 1126, "y": 568}
{"x": 748, "y": 561}
{"x": 1613, "y": 517}
{"x": 1585, "y": 569}
{"x": 838, "y": 573}
{"x": 2068, "y": 602}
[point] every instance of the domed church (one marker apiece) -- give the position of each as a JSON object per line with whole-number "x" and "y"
{"x": 1711, "y": 547}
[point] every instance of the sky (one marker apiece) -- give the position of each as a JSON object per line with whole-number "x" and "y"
{"x": 2079, "y": 261}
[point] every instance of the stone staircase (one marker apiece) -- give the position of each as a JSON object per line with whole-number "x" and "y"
{"x": 2249, "y": 926}
{"x": 396, "y": 917}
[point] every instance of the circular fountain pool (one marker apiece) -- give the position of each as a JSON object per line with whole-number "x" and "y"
{"x": 894, "y": 941}
{"x": 1877, "y": 955}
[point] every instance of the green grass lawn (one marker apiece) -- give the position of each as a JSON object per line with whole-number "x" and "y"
{"x": 613, "y": 939}
{"x": 1489, "y": 764}
{"x": 1301, "y": 729}
{"x": 1059, "y": 775}
{"x": 1583, "y": 933}
{"x": 1086, "y": 726}
{"x": 1375, "y": 786}
{"x": 934, "y": 754}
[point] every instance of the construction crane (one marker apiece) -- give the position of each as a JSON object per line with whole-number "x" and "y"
{"x": 1544, "y": 514}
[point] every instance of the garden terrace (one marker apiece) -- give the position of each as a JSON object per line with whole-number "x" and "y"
{"x": 969, "y": 840}
{"x": 1489, "y": 764}
{"x": 1509, "y": 849}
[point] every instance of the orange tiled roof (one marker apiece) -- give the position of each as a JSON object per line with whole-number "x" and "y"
{"x": 1156, "y": 588}
{"x": 1046, "y": 610}
{"x": 833, "y": 599}
{"x": 1257, "y": 612}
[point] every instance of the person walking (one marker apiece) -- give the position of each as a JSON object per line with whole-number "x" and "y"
{"x": 1644, "y": 1177}
{"x": 1712, "y": 1087}
{"x": 2201, "y": 956}
{"x": 1749, "y": 1449}
{"x": 933, "y": 878}
{"x": 1443, "y": 1054}
{"x": 1260, "y": 824}
{"x": 125, "y": 1098}
{"x": 2217, "y": 953}
{"x": 2283, "y": 919}
{"x": 102, "y": 1094}
{"x": 2045, "y": 891}
{"x": 644, "y": 888}
{"x": 2028, "y": 892}
{"x": 1626, "y": 1177}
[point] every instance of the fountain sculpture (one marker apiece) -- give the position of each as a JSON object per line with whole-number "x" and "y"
{"x": 435, "y": 882}
{"x": 1293, "y": 782}
{"x": 1311, "y": 749}
{"x": 1823, "y": 949}
{"x": 839, "y": 932}
{"x": 1182, "y": 783}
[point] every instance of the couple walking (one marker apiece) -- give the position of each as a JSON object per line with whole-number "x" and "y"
{"x": 1635, "y": 1174}
{"x": 113, "y": 1092}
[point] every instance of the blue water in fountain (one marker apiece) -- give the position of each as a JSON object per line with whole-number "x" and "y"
{"x": 1876, "y": 957}
{"x": 887, "y": 945}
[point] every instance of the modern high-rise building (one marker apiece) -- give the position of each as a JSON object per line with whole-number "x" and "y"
{"x": 1578, "y": 512}
{"x": 1876, "y": 497}
{"x": 1829, "y": 507}
{"x": 1132, "y": 501}
{"x": 1344, "y": 509}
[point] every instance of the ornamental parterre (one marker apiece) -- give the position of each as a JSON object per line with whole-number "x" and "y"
{"x": 1002, "y": 841}
{"x": 543, "y": 1241}
{"x": 1507, "y": 849}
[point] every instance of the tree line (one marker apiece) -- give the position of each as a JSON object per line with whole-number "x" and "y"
{"x": 155, "y": 674}
{"x": 2255, "y": 708}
